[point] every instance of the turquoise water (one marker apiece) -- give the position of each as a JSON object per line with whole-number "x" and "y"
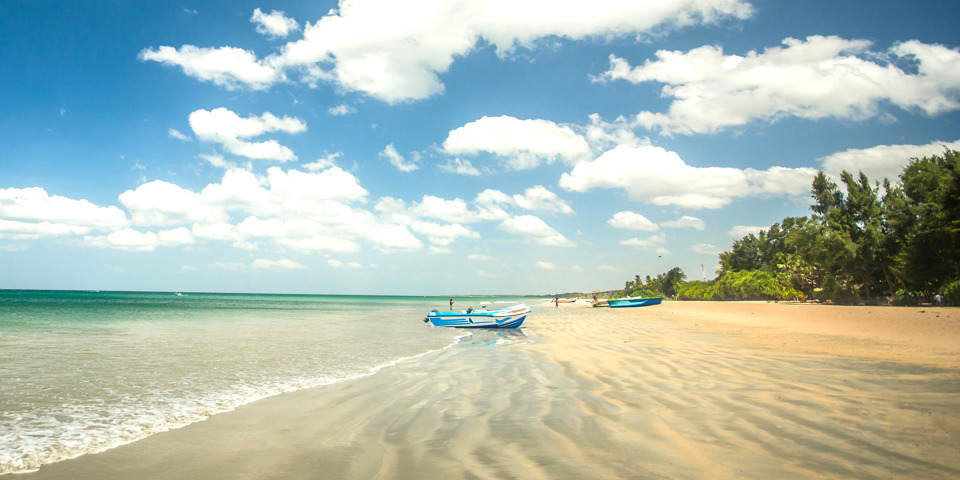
{"x": 87, "y": 371}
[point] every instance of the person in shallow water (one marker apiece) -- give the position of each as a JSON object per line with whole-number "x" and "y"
{"x": 451, "y": 303}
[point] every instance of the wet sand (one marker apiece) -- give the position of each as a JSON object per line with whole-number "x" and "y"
{"x": 682, "y": 390}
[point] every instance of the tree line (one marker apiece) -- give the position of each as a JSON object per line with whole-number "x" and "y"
{"x": 896, "y": 243}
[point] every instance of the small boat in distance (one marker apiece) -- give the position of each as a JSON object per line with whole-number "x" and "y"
{"x": 510, "y": 317}
{"x": 634, "y": 302}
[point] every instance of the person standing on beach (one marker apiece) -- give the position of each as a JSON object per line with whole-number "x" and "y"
{"x": 451, "y": 303}
{"x": 556, "y": 301}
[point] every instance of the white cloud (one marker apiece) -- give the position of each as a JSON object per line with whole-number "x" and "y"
{"x": 275, "y": 24}
{"x": 443, "y": 235}
{"x": 174, "y": 133}
{"x": 706, "y": 249}
{"x": 661, "y": 177}
{"x": 297, "y": 188}
{"x": 395, "y": 51}
{"x": 741, "y": 231}
{"x": 225, "y": 127}
{"x": 453, "y": 211}
{"x": 33, "y": 213}
{"x": 521, "y": 144}
{"x": 480, "y": 258}
{"x": 603, "y": 135}
{"x": 162, "y": 203}
{"x": 227, "y": 67}
{"x": 545, "y": 265}
{"x": 216, "y": 160}
{"x": 397, "y": 160}
{"x": 324, "y": 162}
{"x": 881, "y": 161}
{"x": 34, "y": 230}
{"x": 535, "y": 230}
{"x": 540, "y": 199}
{"x": 133, "y": 240}
{"x": 341, "y": 110}
{"x": 338, "y": 264}
{"x": 320, "y": 244}
{"x": 393, "y": 237}
{"x": 536, "y": 198}
{"x": 686, "y": 221}
{"x": 282, "y": 264}
{"x": 460, "y": 167}
{"x": 632, "y": 221}
{"x": 653, "y": 241}
{"x": 814, "y": 78}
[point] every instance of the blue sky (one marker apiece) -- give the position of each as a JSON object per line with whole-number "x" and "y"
{"x": 442, "y": 147}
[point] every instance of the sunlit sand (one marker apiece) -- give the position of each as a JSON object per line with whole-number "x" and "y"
{"x": 682, "y": 390}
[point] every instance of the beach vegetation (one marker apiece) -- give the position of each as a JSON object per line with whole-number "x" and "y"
{"x": 865, "y": 242}
{"x": 663, "y": 285}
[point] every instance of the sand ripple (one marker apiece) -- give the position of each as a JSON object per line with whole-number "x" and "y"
{"x": 582, "y": 393}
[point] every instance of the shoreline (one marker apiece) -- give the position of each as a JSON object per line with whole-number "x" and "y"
{"x": 680, "y": 390}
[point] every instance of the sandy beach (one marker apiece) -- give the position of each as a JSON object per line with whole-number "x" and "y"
{"x": 686, "y": 390}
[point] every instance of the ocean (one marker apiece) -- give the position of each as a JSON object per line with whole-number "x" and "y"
{"x": 81, "y": 372}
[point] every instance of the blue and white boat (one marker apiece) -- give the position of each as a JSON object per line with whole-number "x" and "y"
{"x": 634, "y": 302}
{"x": 510, "y": 317}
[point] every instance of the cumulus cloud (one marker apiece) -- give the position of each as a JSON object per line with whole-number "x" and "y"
{"x": 653, "y": 242}
{"x": 275, "y": 24}
{"x": 521, "y": 144}
{"x": 536, "y": 198}
{"x": 306, "y": 211}
{"x": 228, "y": 67}
{"x": 535, "y": 230}
{"x": 443, "y": 235}
{"x": 460, "y": 167}
{"x": 282, "y": 264}
{"x": 228, "y": 129}
{"x": 545, "y": 265}
{"x": 338, "y": 264}
{"x": 632, "y": 221}
{"x": 454, "y": 211}
{"x": 686, "y": 221}
{"x": 814, "y": 78}
{"x": 396, "y": 51}
{"x": 33, "y": 213}
{"x": 163, "y": 203}
{"x": 740, "y": 231}
{"x": 397, "y": 160}
{"x": 706, "y": 249}
{"x": 881, "y": 161}
{"x": 136, "y": 241}
{"x": 393, "y": 237}
{"x": 655, "y": 175}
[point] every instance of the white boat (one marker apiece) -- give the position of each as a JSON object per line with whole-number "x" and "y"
{"x": 510, "y": 317}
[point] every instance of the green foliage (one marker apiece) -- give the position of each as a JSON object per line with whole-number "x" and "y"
{"x": 665, "y": 284}
{"x": 743, "y": 285}
{"x": 951, "y": 293}
{"x": 864, "y": 240}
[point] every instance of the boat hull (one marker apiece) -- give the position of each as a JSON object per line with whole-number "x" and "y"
{"x": 635, "y": 302}
{"x": 476, "y": 321}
